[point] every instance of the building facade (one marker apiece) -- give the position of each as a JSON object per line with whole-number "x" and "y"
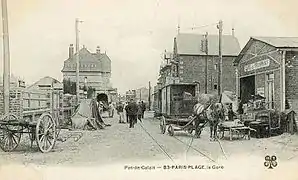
{"x": 192, "y": 68}
{"x": 142, "y": 94}
{"x": 268, "y": 66}
{"x": 191, "y": 52}
{"x": 130, "y": 94}
{"x": 94, "y": 71}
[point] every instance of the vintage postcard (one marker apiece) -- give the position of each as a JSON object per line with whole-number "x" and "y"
{"x": 149, "y": 89}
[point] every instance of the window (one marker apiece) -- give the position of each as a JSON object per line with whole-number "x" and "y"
{"x": 215, "y": 86}
{"x": 215, "y": 66}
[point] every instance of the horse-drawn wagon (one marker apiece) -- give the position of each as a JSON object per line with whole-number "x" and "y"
{"x": 38, "y": 113}
{"x": 178, "y": 110}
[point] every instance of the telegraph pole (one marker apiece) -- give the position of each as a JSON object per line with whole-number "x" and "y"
{"x": 77, "y": 59}
{"x": 219, "y": 26}
{"x": 6, "y": 57}
{"x": 206, "y": 63}
{"x": 149, "y": 97}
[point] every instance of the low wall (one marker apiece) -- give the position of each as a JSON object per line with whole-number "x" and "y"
{"x": 16, "y": 102}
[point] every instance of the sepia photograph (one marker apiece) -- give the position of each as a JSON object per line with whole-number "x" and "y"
{"x": 148, "y": 89}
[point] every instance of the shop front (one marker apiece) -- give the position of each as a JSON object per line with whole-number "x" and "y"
{"x": 267, "y": 69}
{"x": 261, "y": 75}
{"x": 263, "y": 84}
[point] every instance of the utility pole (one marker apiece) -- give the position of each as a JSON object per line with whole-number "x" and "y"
{"x": 219, "y": 27}
{"x": 206, "y": 63}
{"x": 6, "y": 57}
{"x": 77, "y": 59}
{"x": 149, "y": 97}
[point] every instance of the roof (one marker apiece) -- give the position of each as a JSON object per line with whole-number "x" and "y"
{"x": 279, "y": 42}
{"x": 190, "y": 44}
{"x": 47, "y": 80}
{"x": 98, "y": 62}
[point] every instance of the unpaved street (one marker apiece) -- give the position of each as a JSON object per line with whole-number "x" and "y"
{"x": 119, "y": 143}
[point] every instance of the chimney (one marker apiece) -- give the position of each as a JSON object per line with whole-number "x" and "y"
{"x": 71, "y": 51}
{"x": 97, "y": 50}
{"x": 233, "y": 32}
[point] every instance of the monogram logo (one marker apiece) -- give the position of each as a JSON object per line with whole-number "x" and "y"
{"x": 270, "y": 162}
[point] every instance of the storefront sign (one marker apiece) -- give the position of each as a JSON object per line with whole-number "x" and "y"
{"x": 257, "y": 65}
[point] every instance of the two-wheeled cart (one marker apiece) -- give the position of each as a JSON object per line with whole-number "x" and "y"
{"x": 182, "y": 124}
{"x": 176, "y": 108}
{"x": 36, "y": 113}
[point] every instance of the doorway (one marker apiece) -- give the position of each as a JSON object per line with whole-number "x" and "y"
{"x": 247, "y": 88}
{"x": 270, "y": 90}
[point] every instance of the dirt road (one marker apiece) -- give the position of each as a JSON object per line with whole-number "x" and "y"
{"x": 119, "y": 143}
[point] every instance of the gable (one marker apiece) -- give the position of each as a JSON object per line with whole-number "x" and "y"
{"x": 89, "y": 62}
{"x": 254, "y": 49}
{"x": 257, "y": 55}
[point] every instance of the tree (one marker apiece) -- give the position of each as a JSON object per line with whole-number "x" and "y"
{"x": 69, "y": 87}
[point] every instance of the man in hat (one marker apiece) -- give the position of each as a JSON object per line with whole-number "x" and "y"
{"x": 120, "y": 112}
{"x": 132, "y": 111}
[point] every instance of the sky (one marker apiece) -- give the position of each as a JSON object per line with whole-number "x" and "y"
{"x": 134, "y": 33}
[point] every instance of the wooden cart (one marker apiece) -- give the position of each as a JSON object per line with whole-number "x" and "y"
{"x": 234, "y": 128}
{"x": 176, "y": 107}
{"x": 38, "y": 114}
{"x": 181, "y": 124}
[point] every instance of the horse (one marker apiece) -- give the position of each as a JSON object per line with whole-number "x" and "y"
{"x": 215, "y": 114}
{"x": 211, "y": 110}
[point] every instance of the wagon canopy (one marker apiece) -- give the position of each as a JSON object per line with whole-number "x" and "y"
{"x": 88, "y": 116}
{"x": 80, "y": 118}
{"x": 229, "y": 97}
{"x": 208, "y": 98}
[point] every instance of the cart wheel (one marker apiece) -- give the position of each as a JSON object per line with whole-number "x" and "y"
{"x": 46, "y": 133}
{"x": 191, "y": 126}
{"x": 10, "y": 137}
{"x": 171, "y": 130}
{"x": 198, "y": 133}
{"x": 163, "y": 125}
{"x": 221, "y": 133}
{"x": 58, "y": 127}
{"x": 190, "y": 130}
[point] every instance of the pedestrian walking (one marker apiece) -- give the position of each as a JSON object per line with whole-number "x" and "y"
{"x": 132, "y": 110}
{"x": 143, "y": 109}
{"x": 126, "y": 114}
{"x": 111, "y": 110}
{"x": 120, "y": 112}
{"x": 231, "y": 113}
{"x": 140, "y": 111}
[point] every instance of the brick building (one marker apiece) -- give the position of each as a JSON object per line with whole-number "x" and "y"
{"x": 183, "y": 72}
{"x": 268, "y": 66}
{"x": 95, "y": 71}
{"x": 190, "y": 61}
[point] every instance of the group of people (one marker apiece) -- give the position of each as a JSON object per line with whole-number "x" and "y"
{"x": 134, "y": 111}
